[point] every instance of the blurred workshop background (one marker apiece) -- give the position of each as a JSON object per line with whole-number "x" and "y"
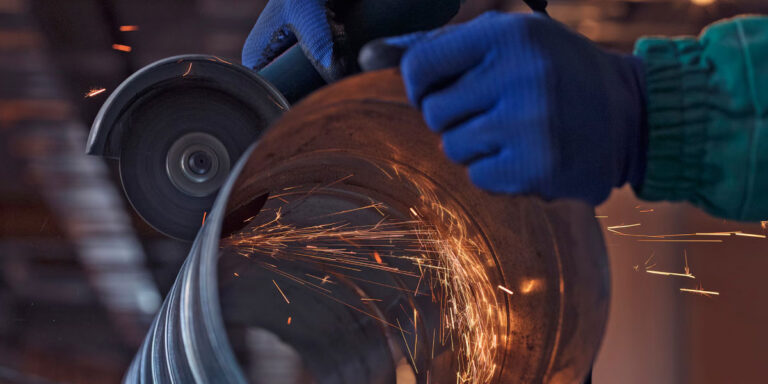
{"x": 81, "y": 275}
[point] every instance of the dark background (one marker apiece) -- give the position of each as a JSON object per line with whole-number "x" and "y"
{"x": 81, "y": 275}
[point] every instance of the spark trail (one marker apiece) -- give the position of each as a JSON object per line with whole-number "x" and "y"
{"x": 446, "y": 258}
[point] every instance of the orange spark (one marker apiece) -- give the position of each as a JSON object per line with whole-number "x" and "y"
{"x": 680, "y": 241}
{"x": 679, "y": 237}
{"x": 236, "y": 274}
{"x": 750, "y": 235}
{"x": 433, "y": 345}
{"x": 281, "y": 292}
{"x": 506, "y": 290}
{"x": 129, "y": 28}
{"x": 189, "y": 69}
{"x": 289, "y": 321}
{"x": 764, "y": 224}
{"x": 407, "y": 347}
{"x": 732, "y": 233}
{"x": 205, "y": 213}
{"x": 612, "y": 228}
{"x": 415, "y": 330}
{"x": 688, "y": 275}
{"x": 122, "y": 48}
{"x": 713, "y": 233}
{"x": 377, "y": 257}
{"x": 700, "y": 292}
{"x": 648, "y": 261}
{"x": 221, "y": 60}
{"x": 95, "y": 91}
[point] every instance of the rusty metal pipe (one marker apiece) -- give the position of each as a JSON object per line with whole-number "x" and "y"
{"x": 344, "y": 147}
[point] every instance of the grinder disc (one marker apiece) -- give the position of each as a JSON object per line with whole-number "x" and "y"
{"x": 177, "y": 127}
{"x": 178, "y": 152}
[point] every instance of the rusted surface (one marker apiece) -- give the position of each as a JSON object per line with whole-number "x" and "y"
{"x": 550, "y": 254}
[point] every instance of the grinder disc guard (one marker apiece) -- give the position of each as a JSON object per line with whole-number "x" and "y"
{"x": 356, "y": 156}
{"x": 177, "y": 126}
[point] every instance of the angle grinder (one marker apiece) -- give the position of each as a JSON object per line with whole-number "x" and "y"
{"x": 178, "y": 126}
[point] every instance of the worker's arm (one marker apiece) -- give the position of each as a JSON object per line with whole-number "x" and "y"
{"x": 533, "y": 108}
{"x": 708, "y": 118}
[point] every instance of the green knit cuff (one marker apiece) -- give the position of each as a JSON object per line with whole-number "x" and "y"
{"x": 677, "y": 91}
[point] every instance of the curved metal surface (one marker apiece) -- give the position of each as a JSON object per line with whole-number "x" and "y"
{"x": 344, "y": 148}
{"x": 187, "y": 342}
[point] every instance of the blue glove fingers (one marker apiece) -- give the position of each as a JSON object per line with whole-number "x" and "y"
{"x": 473, "y": 94}
{"x": 439, "y": 58}
{"x": 474, "y": 139}
{"x": 268, "y": 39}
{"x": 494, "y": 174}
{"x": 308, "y": 20}
{"x": 281, "y": 25}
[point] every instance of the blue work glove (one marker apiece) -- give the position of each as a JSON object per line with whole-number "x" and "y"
{"x": 310, "y": 22}
{"x": 529, "y": 106}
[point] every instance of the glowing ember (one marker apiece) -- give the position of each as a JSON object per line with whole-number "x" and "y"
{"x": 749, "y": 235}
{"x": 703, "y": 3}
{"x": 615, "y": 227}
{"x": 679, "y": 241}
{"x": 129, "y": 28}
{"x": 506, "y": 290}
{"x": 679, "y": 237}
{"x": 122, "y": 48}
{"x": 700, "y": 292}
{"x": 95, "y": 91}
{"x": 281, "y": 292}
{"x": 688, "y": 275}
{"x": 529, "y": 286}
{"x": 288, "y": 321}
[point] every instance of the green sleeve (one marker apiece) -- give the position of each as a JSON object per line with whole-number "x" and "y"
{"x": 708, "y": 118}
